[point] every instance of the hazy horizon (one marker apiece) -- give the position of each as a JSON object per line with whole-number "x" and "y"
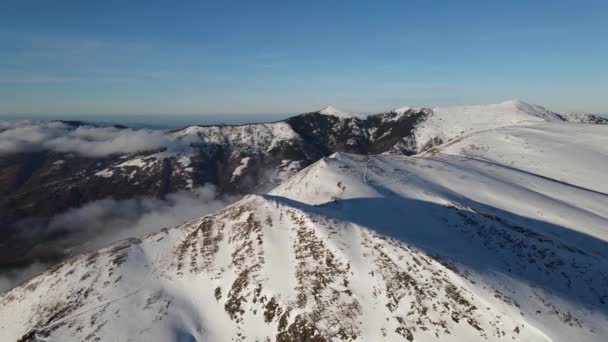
{"x": 156, "y": 121}
{"x": 166, "y": 121}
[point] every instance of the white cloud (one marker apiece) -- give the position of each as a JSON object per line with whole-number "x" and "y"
{"x": 100, "y": 223}
{"x": 23, "y": 136}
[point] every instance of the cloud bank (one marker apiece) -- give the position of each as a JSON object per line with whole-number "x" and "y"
{"x": 100, "y": 223}
{"x": 89, "y": 141}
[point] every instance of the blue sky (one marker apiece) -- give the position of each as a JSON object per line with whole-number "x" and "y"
{"x": 211, "y": 57}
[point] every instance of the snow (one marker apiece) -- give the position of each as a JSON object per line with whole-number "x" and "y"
{"x": 582, "y": 117}
{"x": 333, "y": 111}
{"x": 106, "y": 173}
{"x": 324, "y": 182}
{"x": 286, "y": 169}
{"x": 184, "y": 161}
{"x": 403, "y": 110}
{"x": 238, "y": 171}
{"x": 253, "y": 138}
{"x": 540, "y": 203}
{"x": 135, "y": 162}
{"x": 446, "y": 123}
{"x": 498, "y": 233}
{"x": 576, "y": 153}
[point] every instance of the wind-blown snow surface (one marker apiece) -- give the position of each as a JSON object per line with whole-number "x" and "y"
{"x": 496, "y": 233}
{"x": 446, "y": 123}
{"x": 574, "y": 153}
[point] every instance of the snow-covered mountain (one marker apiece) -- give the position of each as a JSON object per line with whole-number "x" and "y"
{"x": 491, "y": 226}
{"x": 255, "y": 157}
{"x": 238, "y": 159}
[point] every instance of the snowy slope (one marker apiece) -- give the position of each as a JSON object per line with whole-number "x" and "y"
{"x": 576, "y": 153}
{"x": 444, "y": 245}
{"x": 448, "y": 123}
{"x": 533, "y": 242}
{"x": 244, "y": 138}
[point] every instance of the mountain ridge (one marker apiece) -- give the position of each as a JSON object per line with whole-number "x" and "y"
{"x": 353, "y": 247}
{"x": 256, "y": 158}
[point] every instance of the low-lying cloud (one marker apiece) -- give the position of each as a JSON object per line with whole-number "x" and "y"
{"x": 90, "y": 141}
{"x": 100, "y": 223}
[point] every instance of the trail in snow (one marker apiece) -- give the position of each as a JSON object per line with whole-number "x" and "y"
{"x": 367, "y": 161}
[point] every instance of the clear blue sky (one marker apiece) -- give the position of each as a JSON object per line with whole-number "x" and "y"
{"x": 189, "y": 57}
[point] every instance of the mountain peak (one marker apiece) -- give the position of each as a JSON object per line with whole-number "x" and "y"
{"x": 403, "y": 110}
{"x": 515, "y": 102}
{"x": 333, "y": 111}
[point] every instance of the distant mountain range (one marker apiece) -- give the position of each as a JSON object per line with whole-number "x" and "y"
{"x": 419, "y": 224}
{"x": 238, "y": 159}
